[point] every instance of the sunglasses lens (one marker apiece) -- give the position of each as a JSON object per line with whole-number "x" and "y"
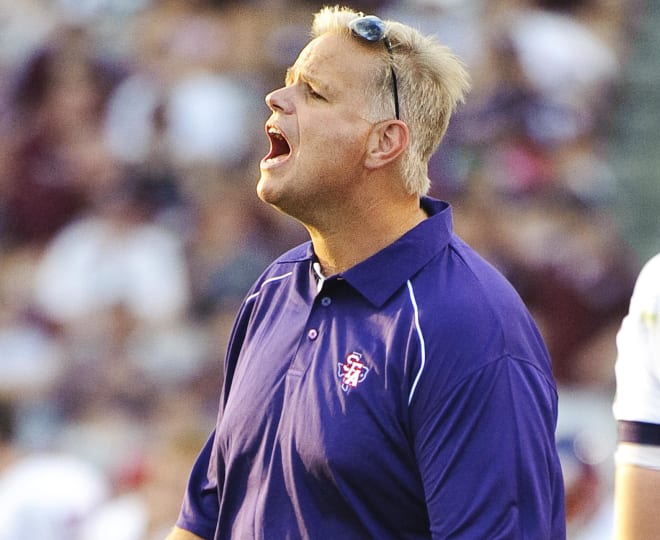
{"x": 370, "y": 27}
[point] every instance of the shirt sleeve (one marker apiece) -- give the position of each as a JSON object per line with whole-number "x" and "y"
{"x": 200, "y": 508}
{"x": 201, "y": 505}
{"x": 487, "y": 455}
{"x": 638, "y": 347}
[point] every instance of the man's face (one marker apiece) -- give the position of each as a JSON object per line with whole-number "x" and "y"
{"x": 317, "y": 129}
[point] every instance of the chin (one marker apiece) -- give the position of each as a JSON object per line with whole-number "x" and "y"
{"x": 279, "y": 201}
{"x": 264, "y": 191}
{"x": 269, "y": 193}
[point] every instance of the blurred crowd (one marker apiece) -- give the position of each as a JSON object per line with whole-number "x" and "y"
{"x": 130, "y": 136}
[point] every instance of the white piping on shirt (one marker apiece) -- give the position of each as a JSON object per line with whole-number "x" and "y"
{"x": 421, "y": 341}
{"x": 269, "y": 280}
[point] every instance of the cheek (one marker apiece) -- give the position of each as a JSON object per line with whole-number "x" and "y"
{"x": 341, "y": 148}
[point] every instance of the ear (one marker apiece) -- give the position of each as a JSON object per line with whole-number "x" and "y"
{"x": 387, "y": 141}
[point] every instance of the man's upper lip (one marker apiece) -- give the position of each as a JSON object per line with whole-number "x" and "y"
{"x": 273, "y": 128}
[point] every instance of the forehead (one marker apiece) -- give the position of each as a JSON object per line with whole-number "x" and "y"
{"x": 333, "y": 58}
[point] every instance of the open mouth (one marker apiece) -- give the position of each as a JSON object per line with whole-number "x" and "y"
{"x": 279, "y": 146}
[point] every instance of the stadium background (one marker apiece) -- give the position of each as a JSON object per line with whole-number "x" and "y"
{"x": 130, "y": 135}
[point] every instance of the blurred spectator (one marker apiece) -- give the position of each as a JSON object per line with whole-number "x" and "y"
{"x": 568, "y": 66}
{"x": 56, "y": 104}
{"x": 586, "y": 438}
{"x": 114, "y": 257}
{"x": 48, "y": 496}
{"x": 30, "y": 359}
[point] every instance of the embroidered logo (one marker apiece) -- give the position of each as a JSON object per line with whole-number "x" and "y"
{"x": 352, "y": 371}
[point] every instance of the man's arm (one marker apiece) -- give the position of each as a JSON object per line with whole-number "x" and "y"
{"x": 487, "y": 456}
{"x": 637, "y": 502}
{"x": 200, "y": 507}
{"x": 181, "y": 534}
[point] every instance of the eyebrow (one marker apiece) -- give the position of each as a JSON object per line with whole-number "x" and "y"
{"x": 292, "y": 74}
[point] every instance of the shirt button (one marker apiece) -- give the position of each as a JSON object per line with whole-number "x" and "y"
{"x": 313, "y": 334}
{"x": 326, "y": 301}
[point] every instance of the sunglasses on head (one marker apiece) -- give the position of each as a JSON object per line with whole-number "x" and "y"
{"x": 372, "y": 29}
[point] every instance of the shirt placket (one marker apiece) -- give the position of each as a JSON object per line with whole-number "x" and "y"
{"x": 312, "y": 336}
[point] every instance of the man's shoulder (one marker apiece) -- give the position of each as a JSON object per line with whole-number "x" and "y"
{"x": 287, "y": 260}
{"x": 282, "y": 267}
{"x": 301, "y": 252}
{"x": 464, "y": 276}
{"x": 469, "y": 301}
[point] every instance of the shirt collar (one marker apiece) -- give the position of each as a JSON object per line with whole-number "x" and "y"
{"x": 381, "y": 275}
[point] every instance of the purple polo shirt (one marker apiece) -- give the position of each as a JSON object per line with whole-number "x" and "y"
{"x": 408, "y": 397}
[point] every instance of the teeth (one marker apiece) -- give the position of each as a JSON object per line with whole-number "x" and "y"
{"x": 274, "y": 131}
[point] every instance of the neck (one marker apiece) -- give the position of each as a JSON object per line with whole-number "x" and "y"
{"x": 361, "y": 232}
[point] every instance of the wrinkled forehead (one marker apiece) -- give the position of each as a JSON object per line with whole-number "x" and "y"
{"x": 331, "y": 55}
{"x": 312, "y": 59}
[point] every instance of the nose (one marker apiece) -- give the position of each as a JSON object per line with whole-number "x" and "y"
{"x": 280, "y": 100}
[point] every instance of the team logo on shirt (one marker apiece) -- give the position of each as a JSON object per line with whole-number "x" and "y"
{"x": 352, "y": 371}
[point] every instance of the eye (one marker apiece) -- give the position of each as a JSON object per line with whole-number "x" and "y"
{"x": 313, "y": 93}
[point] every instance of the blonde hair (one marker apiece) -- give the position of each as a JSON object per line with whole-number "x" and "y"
{"x": 431, "y": 82}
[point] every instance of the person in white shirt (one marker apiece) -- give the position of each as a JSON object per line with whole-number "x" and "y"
{"x": 637, "y": 411}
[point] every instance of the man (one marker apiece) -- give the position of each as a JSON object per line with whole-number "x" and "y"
{"x": 637, "y": 410}
{"x": 382, "y": 381}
